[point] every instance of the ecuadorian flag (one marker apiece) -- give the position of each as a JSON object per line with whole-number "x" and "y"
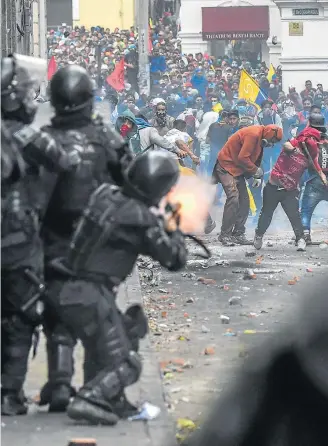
{"x": 272, "y": 74}
{"x": 250, "y": 90}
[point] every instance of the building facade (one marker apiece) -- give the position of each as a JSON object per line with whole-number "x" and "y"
{"x": 304, "y": 35}
{"x": 107, "y": 14}
{"x": 207, "y": 27}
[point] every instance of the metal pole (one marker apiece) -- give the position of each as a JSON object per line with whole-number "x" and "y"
{"x": 98, "y": 55}
{"x": 43, "y": 53}
{"x": 143, "y": 27}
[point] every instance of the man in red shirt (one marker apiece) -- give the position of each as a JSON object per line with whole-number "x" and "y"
{"x": 284, "y": 180}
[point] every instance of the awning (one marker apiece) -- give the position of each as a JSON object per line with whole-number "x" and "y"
{"x": 235, "y": 23}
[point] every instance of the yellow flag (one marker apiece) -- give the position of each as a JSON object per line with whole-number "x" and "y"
{"x": 252, "y": 204}
{"x": 250, "y": 90}
{"x": 272, "y": 74}
{"x": 150, "y": 22}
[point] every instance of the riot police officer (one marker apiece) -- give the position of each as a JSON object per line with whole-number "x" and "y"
{"x": 117, "y": 225}
{"x": 21, "y": 248}
{"x": 102, "y": 153}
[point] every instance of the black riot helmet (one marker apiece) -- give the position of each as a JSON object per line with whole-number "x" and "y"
{"x": 317, "y": 121}
{"x": 71, "y": 90}
{"x": 151, "y": 176}
{"x": 18, "y": 89}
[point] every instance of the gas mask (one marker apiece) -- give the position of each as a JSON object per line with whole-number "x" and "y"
{"x": 161, "y": 117}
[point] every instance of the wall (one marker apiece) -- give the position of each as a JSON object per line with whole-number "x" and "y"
{"x": 191, "y": 24}
{"x": 107, "y": 13}
{"x": 304, "y": 57}
{"x": 58, "y": 12}
{"x": 13, "y": 13}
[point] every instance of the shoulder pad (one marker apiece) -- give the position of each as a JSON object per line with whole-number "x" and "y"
{"x": 26, "y": 135}
{"x": 136, "y": 214}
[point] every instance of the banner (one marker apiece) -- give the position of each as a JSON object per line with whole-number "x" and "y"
{"x": 272, "y": 74}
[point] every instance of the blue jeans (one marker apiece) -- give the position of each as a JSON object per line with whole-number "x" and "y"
{"x": 315, "y": 191}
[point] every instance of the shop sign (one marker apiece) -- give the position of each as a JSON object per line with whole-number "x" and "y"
{"x": 296, "y": 28}
{"x": 306, "y": 11}
{"x": 235, "y": 36}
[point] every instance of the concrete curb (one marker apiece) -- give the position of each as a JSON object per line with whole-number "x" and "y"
{"x": 160, "y": 431}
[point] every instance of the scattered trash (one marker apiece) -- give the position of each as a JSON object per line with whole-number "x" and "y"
{"x": 189, "y": 275}
{"x": 185, "y": 423}
{"x": 269, "y": 244}
{"x": 185, "y": 399}
{"x": 248, "y": 332}
{"x": 164, "y": 314}
{"x": 258, "y": 271}
{"x": 178, "y": 362}
{"x": 292, "y": 282}
{"x": 225, "y": 287}
{"x": 259, "y": 260}
{"x": 244, "y": 288}
{"x": 175, "y": 390}
{"x": 162, "y": 290}
{"x": 250, "y": 253}
{"x": 206, "y": 281}
{"x": 209, "y": 351}
{"x": 182, "y": 338}
{"x": 225, "y": 319}
{"x": 229, "y": 333}
{"x": 185, "y": 315}
{"x": 205, "y": 329}
{"x": 309, "y": 270}
{"x": 147, "y": 412}
{"x": 248, "y": 274}
{"x": 190, "y": 300}
{"x": 251, "y": 314}
{"x": 235, "y": 300}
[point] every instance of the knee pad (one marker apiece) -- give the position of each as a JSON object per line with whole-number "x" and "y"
{"x": 136, "y": 322}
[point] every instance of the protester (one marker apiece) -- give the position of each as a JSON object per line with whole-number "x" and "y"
{"x": 241, "y": 158}
{"x": 284, "y": 180}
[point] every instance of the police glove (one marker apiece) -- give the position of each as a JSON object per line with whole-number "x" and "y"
{"x": 258, "y": 174}
{"x": 256, "y": 182}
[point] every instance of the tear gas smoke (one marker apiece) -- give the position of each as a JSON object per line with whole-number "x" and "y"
{"x": 195, "y": 196}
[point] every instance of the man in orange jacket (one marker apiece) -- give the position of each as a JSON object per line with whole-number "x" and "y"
{"x": 241, "y": 158}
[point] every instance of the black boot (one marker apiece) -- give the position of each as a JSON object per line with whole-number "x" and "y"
{"x": 240, "y": 239}
{"x": 83, "y": 410}
{"x": 57, "y": 392}
{"x": 12, "y": 404}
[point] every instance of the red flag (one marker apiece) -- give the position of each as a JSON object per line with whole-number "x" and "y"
{"x": 150, "y": 42}
{"x": 52, "y": 67}
{"x": 116, "y": 78}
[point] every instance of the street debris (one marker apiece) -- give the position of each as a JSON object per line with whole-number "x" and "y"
{"x": 205, "y": 329}
{"x": 269, "y": 244}
{"x": 248, "y": 274}
{"x": 230, "y": 333}
{"x": 189, "y": 275}
{"x": 190, "y": 300}
{"x": 206, "y": 281}
{"x": 225, "y": 287}
{"x": 309, "y": 270}
{"x": 257, "y": 271}
{"x": 250, "y": 253}
{"x": 209, "y": 351}
{"x": 259, "y": 260}
{"x": 235, "y": 300}
{"x": 323, "y": 245}
{"x": 225, "y": 319}
{"x": 147, "y": 412}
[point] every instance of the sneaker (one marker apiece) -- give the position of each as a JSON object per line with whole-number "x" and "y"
{"x": 241, "y": 239}
{"x": 307, "y": 237}
{"x": 301, "y": 245}
{"x": 258, "y": 241}
{"x": 226, "y": 240}
{"x": 210, "y": 226}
